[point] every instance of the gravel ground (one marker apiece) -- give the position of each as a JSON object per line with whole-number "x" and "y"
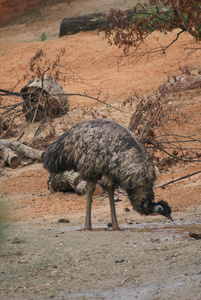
{"x": 142, "y": 261}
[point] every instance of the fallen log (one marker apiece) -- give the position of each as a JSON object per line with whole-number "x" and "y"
{"x": 83, "y": 23}
{"x": 10, "y": 158}
{"x": 67, "y": 181}
{"x": 89, "y": 22}
{"x": 23, "y": 149}
{"x": 181, "y": 83}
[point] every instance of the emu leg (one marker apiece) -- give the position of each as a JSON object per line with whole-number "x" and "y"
{"x": 115, "y": 224}
{"x": 90, "y": 187}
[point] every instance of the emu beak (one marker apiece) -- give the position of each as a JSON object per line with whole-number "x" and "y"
{"x": 169, "y": 217}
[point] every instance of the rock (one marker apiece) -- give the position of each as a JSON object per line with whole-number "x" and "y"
{"x": 63, "y": 221}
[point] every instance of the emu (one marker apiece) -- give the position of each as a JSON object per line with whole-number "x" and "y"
{"x": 104, "y": 150}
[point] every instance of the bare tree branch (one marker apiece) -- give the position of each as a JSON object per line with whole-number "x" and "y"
{"x": 177, "y": 179}
{"x": 173, "y": 156}
{"x": 98, "y": 100}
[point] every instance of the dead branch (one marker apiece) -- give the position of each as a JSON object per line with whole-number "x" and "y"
{"x": 155, "y": 118}
{"x": 37, "y": 106}
{"x": 173, "y": 156}
{"x": 23, "y": 149}
{"x": 9, "y": 93}
{"x": 177, "y": 179}
{"x": 98, "y": 100}
{"x": 10, "y": 158}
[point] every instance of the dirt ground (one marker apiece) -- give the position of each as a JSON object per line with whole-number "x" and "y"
{"x": 150, "y": 258}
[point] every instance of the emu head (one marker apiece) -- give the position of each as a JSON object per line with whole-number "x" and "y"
{"x": 162, "y": 208}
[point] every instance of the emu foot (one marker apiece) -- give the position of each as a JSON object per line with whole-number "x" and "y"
{"x": 116, "y": 228}
{"x": 87, "y": 228}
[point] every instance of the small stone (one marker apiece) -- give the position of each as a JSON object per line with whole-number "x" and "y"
{"x": 195, "y": 235}
{"x": 109, "y": 224}
{"x": 119, "y": 261}
{"x": 117, "y": 200}
{"x": 17, "y": 241}
{"x": 63, "y": 221}
{"x": 129, "y": 222}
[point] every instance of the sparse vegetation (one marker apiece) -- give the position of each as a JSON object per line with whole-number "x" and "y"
{"x": 43, "y": 37}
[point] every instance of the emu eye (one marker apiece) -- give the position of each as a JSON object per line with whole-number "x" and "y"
{"x": 158, "y": 209}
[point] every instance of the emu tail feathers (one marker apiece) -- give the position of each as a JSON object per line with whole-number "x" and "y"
{"x": 55, "y": 158}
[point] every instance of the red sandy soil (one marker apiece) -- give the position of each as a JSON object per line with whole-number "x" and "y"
{"x": 97, "y": 73}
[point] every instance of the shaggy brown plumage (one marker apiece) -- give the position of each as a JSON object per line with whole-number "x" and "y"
{"x": 104, "y": 150}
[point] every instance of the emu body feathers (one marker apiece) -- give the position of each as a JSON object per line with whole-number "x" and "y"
{"x": 104, "y": 150}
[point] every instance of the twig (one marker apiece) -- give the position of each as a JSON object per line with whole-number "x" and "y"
{"x": 169, "y": 154}
{"x": 7, "y": 92}
{"x": 177, "y": 179}
{"x": 173, "y": 41}
{"x": 96, "y": 99}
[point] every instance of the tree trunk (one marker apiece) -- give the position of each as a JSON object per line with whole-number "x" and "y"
{"x": 42, "y": 98}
